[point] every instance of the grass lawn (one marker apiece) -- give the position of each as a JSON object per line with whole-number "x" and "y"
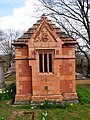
{"x": 80, "y": 111}
{"x": 10, "y": 79}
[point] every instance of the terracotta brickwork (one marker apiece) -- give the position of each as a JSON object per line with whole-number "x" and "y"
{"x": 45, "y": 64}
{"x": 23, "y": 74}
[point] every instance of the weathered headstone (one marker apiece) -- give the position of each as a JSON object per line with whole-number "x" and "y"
{"x": 2, "y": 83}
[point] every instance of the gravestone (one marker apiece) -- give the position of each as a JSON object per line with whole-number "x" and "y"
{"x": 2, "y": 83}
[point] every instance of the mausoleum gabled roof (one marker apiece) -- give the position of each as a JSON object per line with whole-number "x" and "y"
{"x": 29, "y": 33}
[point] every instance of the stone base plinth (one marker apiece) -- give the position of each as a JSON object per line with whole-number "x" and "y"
{"x": 56, "y": 98}
{"x": 65, "y": 97}
{"x": 22, "y": 99}
{"x": 70, "y": 96}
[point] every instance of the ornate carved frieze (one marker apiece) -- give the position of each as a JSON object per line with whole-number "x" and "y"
{"x": 44, "y": 36}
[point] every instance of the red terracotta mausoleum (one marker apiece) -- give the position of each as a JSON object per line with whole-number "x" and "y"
{"x": 45, "y": 64}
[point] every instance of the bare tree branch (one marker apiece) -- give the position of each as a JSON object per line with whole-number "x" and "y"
{"x": 76, "y": 14}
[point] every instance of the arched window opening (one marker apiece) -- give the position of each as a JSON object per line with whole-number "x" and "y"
{"x": 45, "y": 62}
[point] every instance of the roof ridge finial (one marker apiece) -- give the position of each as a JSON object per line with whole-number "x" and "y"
{"x": 43, "y": 16}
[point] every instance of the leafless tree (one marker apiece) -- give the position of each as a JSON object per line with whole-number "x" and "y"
{"x": 74, "y": 17}
{"x": 6, "y": 47}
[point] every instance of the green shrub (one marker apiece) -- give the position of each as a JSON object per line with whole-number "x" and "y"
{"x": 48, "y": 104}
{"x": 1, "y": 118}
{"x": 43, "y": 115}
{"x": 9, "y": 92}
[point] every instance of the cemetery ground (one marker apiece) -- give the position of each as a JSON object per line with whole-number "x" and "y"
{"x": 45, "y": 111}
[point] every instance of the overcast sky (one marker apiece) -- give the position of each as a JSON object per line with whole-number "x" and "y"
{"x": 18, "y": 14}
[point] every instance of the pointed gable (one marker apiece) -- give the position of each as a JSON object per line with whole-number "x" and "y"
{"x": 44, "y": 30}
